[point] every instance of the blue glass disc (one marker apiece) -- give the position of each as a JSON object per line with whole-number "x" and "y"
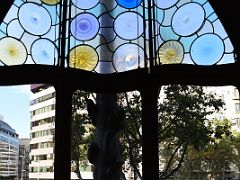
{"x": 44, "y": 52}
{"x": 84, "y": 26}
{"x": 128, "y": 57}
{"x": 188, "y": 19}
{"x": 164, "y": 4}
{"x": 14, "y": 29}
{"x": 85, "y": 4}
{"x": 207, "y": 49}
{"x": 129, "y": 25}
{"x": 34, "y": 18}
{"x": 129, "y": 3}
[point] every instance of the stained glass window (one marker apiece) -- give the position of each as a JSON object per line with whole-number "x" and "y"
{"x": 106, "y": 36}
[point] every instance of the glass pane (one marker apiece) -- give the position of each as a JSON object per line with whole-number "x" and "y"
{"x": 112, "y": 139}
{"x": 82, "y": 134}
{"x": 42, "y": 134}
{"x": 29, "y": 33}
{"x": 98, "y": 38}
{"x": 113, "y": 36}
{"x": 199, "y": 132}
{"x": 193, "y": 35}
{"x": 14, "y": 132}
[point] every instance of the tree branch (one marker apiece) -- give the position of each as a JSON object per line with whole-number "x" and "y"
{"x": 132, "y": 162}
{"x": 179, "y": 164}
{"x": 165, "y": 128}
{"x": 172, "y": 156}
{"x": 131, "y": 114}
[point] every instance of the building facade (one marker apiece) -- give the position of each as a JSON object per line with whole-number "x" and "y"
{"x": 23, "y": 159}
{"x": 42, "y": 112}
{"x": 42, "y": 127}
{"x": 231, "y": 111}
{"x": 9, "y": 147}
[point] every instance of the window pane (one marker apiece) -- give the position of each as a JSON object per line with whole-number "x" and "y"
{"x": 108, "y": 36}
{"x": 121, "y": 133}
{"x": 14, "y": 131}
{"x": 198, "y": 132}
{"x": 42, "y": 131}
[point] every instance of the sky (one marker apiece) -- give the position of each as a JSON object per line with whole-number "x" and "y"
{"x": 14, "y": 107}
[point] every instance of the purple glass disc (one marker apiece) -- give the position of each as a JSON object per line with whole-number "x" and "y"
{"x": 84, "y": 26}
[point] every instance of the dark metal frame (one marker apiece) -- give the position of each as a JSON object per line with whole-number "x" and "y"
{"x": 67, "y": 80}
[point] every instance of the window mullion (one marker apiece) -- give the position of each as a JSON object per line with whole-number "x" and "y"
{"x": 62, "y": 160}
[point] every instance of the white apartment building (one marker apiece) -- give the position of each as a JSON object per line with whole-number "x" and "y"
{"x": 42, "y": 110}
{"x": 231, "y": 111}
{"x": 42, "y": 122}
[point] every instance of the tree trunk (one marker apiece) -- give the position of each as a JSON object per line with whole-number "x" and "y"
{"x": 77, "y": 172}
{"x": 104, "y": 152}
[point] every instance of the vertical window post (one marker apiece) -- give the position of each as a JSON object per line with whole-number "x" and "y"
{"x": 150, "y": 157}
{"x": 62, "y": 160}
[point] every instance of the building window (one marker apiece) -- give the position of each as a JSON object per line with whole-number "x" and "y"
{"x": 237, "y": 107}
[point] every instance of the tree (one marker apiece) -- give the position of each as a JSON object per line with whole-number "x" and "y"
{"x": 82, "y": 131}
{"x": 132, "y": 135}
{"x": 96, "y": 123}
{"x": 216, "y": 157}
{"x": 104, "y": 152}
{"x": 183, "y": 123}
{"x": 236, "y": 143}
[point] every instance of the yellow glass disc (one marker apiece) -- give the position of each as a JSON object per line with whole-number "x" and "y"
{"x": 171, "y": 52}
{"x": 12, "y": 51}
{"x": 83, "y": 57}
{"x": 50, "y": 2}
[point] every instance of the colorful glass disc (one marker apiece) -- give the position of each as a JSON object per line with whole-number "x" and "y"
{"x": 12, "y": 51}
{"x": 83, "y": 57}
{"x": 44, "y": 52}
{"x": 164, "y": 4}
{"x": 207, "y": 49}
{"x": 117, "y": 32}
{"x": 85, "y": 26}
{"x": 171, "y": 52}
{"x": 50, "y": 2}
{"x": 129, "y": 3}
{"x": 128, "y": 57}
{"x": 188, "y": 19}
{"x": 129, "y": 25}
{"x": 14, "y": 29}
{"x": 34, "y": 18}
{"x": 85, "y": 4}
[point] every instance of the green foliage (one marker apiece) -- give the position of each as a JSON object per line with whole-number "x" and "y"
{"x": 182, "y": 115}
{"x": 132, "y": 135}
{"x": 236, "y": 143}
{"x": 183, "y": 127}
{"x": 218, "y": 155}
{"x": 82, "y": 130}
{"x": 183, "y": 123}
